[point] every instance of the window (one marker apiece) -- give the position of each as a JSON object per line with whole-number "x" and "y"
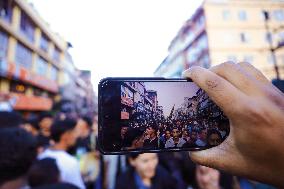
{"x": 248, "y": 58}
{"x": 242, "y": 15}
{"x": 3, "y": 44}
{"x": 41, "y": 65}
{"x": 5, "y": 10}
{"x": 27, "y": 27}
{"x": 226, "y": 15}
{"x": 244, "y": 37}
{"x": 232, "y": 58}
{"x": 53, "y": 73}
{"x": 23, "y": 56}
{"x": 43, "y": 43}
{"x": 56, "y": 54}
{"x": 268, "y": 37}
{"x": 278, "y": 15}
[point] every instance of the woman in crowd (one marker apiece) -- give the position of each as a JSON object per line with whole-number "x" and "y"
{"x": 144, "y": 173}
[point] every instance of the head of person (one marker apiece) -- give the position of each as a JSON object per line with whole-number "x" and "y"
{"x": 207, "y": 177}
{"x": 134, "y": 138}
{"x": 144, "y": 164}
{"x": 43, "y": 172}
{"x": 185, "y": 133}
{"x": 123, "y": 131}
{"x": 193, "y": 136}
{"x": 175, "y": 133}
{"x": 167, "y": 134}
{"x": 45, "y": 122}
{"x": 31, "y": 125}
{"x": 151, "y": 130}
{"x": 214, "y": 137}
{"x": 64, "y": 132}
{"x": 10, "y": 119}
{"x": 84, "y": 126}
{"x": 203, "y": 134}
{"x": 17, "y": 153}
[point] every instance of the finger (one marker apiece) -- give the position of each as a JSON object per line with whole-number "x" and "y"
{"x": 251, "y": 70}
{"x": 237, "y": 76}
{"x": 222, "y": 92}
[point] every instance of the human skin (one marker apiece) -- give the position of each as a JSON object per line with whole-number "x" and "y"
{"x": 255, "y": 108}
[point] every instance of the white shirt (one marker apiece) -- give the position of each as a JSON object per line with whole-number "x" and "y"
{"x": 170, "y": 143}
{"x": 68, "y": 166}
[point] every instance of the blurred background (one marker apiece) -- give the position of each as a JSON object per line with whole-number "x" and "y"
{"x": 53, "y": 54}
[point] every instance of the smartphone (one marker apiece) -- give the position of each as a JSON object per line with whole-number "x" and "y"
{"x": 157, "y": 114}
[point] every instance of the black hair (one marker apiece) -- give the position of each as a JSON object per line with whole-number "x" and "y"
{"x": 33, "y": 122}
{"x": 88, "y": 120}
{"x": 10, "y": 119}
{"x": 131, "y": 135}
{"x": 60, "y": 127}
{"x": 58, "y": 186}
{"x": 45, "y": 115}
{"x": 133, "y": 155}
{"x": 17, "y": 153}
{"x": 43, "y": 172}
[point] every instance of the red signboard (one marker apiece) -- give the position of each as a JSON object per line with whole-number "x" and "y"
{"x": 127, "y": 101}
{"x": 27, "y": 76}
{"x": 124, "y": 115}
{"x": 32, "y": 103}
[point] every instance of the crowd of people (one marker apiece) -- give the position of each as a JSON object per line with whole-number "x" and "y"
{"x": 182, "y": 131}
{"x": 57, "y": 150}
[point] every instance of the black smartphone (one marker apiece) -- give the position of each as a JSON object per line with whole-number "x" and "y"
{"x": 157, "y": 114}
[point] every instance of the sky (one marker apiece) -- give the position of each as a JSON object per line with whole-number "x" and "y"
{"x": 165, "y": 95}
{"x": 117, "y": 37}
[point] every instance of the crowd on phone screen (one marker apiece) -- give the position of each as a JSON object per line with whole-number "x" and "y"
{"x": 183, "y": 131}
{"x": 60, "y": 151}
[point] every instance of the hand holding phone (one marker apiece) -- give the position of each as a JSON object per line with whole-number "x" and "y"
{"x": 157, "y": 114}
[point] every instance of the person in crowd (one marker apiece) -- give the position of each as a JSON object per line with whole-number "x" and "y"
{"x": 255, "y": 109}
{"x": 145, "y": 173}
{"x": 223, "y": 128}
{"x": 185, "y": 135}
{"x": 202, "y": 137}
{"x": 64, "y": 135}
{"x": 17, "y": 153}
{"x": 43, "y": 172}
{"x": 45, "y": 122}
{"x": 166, "y": 136}
{"x": 152, "y": 141}
{"x": 135, "y": 138}
{"x": 192, "y": 141}
{"x": 10, "y": 119}
{"x": 176, "y": 140}
{"x": 84, "y": 131}
{"x": 214, "y": 137}
{"x": 208, "y": 178}
{"x": 31, "y": 125}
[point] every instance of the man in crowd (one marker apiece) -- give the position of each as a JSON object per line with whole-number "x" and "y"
{"x": 176, "y": 140}
{"x": 152, "y": 141}
{"x": 17, "y": 152}
{"x": 45, "y": 123}
{"x": 63, "y": 133}
{"x": 202, "y": 137}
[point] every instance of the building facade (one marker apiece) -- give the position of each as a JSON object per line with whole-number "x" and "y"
{"x": 232, "y": 30}
{"x": 35, "y": 66}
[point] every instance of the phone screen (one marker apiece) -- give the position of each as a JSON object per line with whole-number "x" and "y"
{"x": 160, "y": 115}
